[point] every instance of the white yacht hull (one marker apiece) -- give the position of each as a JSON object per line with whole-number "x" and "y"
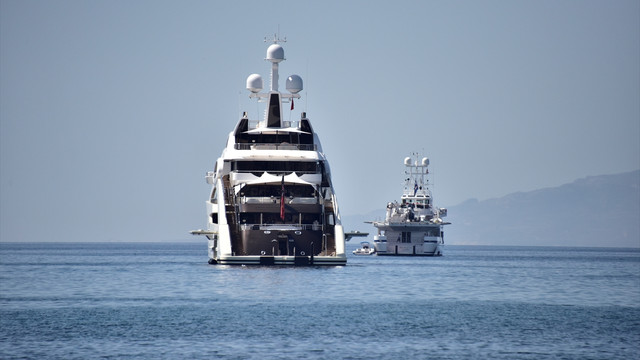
{"x": 425, "y": 240}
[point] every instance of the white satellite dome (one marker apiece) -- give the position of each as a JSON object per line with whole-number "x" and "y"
{"x": 275, "y": 53}
{"x": 407, "y": 161}
{"x": 425, "y": 161}
{"x": 254, "y": 83}
{"x": 294, "y": 84}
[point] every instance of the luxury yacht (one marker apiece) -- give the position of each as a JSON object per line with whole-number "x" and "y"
{"x": 272, "y": 201}
{"x": 414, "y": 225}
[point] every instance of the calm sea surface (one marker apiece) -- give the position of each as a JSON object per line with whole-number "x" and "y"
{"x": 163, "y": 301}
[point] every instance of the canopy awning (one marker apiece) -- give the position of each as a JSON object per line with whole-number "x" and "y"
{"x": 267, "y": 178}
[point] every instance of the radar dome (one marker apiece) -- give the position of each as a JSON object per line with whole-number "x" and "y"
{"x": 254, "y": 83}
{"x": 294, "y": 84}
{"x": 425, "y": 161}
{"x": 407, "y": 161}
{"x": 275, "y": 53}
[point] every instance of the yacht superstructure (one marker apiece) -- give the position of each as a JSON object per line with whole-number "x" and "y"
{"x": 414, "y": 226}
{"x": 272, "y": 201}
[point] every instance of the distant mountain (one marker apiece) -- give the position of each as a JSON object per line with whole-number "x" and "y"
{"x": 596, "y": 211}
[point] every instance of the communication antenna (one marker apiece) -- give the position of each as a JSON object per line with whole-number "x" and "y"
{"x": 276, "y": 38}
{"x": 306, "y": 94}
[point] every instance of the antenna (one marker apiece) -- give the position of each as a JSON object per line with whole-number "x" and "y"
{"x": 276, "y": 38}
{"x": 306, "y": 94}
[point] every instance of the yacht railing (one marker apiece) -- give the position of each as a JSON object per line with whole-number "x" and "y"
{"x": 258, "y": 200}
{"x": 276, "y": 200}
{"x": 254, "y": 124}
{"x": 266, "y": 146}
{"x": 281, "y": 227}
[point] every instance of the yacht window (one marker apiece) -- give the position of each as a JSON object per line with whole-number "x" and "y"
{"x": 330, "y": 220}
{"x": 267, "y": 191}
{"x": 276, "y": 166}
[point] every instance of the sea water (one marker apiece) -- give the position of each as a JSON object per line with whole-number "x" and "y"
{"x": 163, "y": 301}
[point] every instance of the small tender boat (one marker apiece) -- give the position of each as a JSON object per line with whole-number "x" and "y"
{"x": 364, "y": 249}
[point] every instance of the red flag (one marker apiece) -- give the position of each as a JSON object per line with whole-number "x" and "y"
{"x": 282, "y": 199}
{"x": 291, "y": 103}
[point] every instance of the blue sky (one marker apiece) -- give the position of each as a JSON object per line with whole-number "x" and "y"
{"x": 111, "y": 112}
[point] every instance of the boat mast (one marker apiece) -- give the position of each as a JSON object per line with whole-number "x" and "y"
{"x": 275, "y": 54}
{"x": 418, "y": 170}
{"x": 273, "y": 110}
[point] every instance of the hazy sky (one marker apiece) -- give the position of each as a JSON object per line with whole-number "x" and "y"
{"x": 111, "y": 112}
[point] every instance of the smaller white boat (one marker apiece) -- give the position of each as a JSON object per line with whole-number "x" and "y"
{"x": 364, "y": 249}
{"x": 413, "y": 227}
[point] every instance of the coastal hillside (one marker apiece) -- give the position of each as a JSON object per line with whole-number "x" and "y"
{"x": 594, "y": 211}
